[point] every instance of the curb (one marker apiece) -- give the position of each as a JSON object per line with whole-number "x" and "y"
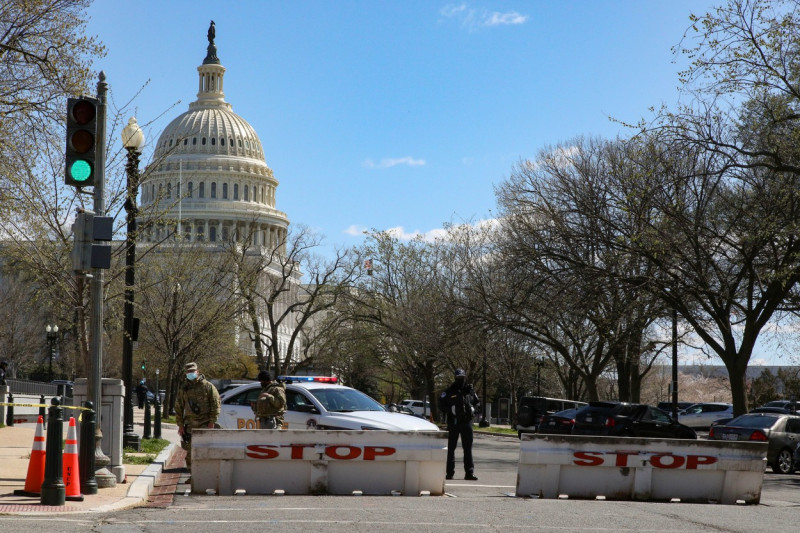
{"x": 140, "y": 489}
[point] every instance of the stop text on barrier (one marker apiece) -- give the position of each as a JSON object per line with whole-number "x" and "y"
{"x": 335, "y": 451}
{"x": 657, "y": 460}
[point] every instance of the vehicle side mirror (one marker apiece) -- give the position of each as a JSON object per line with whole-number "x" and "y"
{"x": 304, "y": 408}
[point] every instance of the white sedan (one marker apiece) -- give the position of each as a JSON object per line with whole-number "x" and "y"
{"x": 701, "y": 415}
{"x": 316, "y": 405}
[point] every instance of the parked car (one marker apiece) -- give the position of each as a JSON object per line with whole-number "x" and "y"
{"x": 397, "y": 408}
{"x": 531, "y": 409}
{"x": 667, "y": 406}
{"x": 628, "y": 420}
{"x": 781, "y": 431}
{"x": 701, "y": 415}
{"x": 419, "y": 407}
{"x": 779, "y": 410}
{"x": 789, "y": 405}
{"x": 64, "y": 386}
{"x": 559, "y": 423}
{"x": 312, "y": 404}
{"x": 720, "y": 422}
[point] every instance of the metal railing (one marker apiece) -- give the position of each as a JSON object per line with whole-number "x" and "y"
{"x": 24, "y": 386}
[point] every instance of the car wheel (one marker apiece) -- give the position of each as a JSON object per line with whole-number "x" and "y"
{"x": 783, "y": 463}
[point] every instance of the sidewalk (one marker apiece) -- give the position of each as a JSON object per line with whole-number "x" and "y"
{"x": 15, "y": 447}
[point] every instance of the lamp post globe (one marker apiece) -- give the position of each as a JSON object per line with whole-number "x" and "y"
{"x": 132, "y": 135}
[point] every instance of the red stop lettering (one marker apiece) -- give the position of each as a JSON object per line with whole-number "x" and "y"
{"x": 588, "y": 458}
{"x": 622, "y": 458}
{"x": 693, "y": 460}
{"x": 370, "y": 452}
{"x": 297, "y": 449}
{"x": 261, "y": 451}
{"x": 675, "y": 461}
{"x": 333, "y": 452}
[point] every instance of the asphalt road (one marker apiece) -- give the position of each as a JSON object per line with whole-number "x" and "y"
{"x": 487, "y": 504}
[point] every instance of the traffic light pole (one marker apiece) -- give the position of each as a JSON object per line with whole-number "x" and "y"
{"x": 96, "y": 325}
{"x": 98, "y": 275}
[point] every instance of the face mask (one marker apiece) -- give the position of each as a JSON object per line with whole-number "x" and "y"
{"x": 191, "y": 376}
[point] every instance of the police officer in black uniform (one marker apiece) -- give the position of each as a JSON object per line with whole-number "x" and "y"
{"x": 459, "y": 401}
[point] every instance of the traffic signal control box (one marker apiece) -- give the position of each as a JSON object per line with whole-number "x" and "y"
{"x": 86, "y": 253}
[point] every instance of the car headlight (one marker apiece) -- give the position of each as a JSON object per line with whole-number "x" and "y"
{"x": 370, "y": 427}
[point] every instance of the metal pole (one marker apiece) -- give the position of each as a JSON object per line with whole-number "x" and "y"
{"x": 538, "y": 377}
{"x": 130, "y": 438}
{"x": 52, "y": 349}
{"x": 484, "y": 423}
{"x": 94, "y": 384}
{"x": 675, "y": 364}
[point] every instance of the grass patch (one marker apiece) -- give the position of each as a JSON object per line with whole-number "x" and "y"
{"x": 494, "y": 429}
{"x": 149, "y": 449}
{"x": 135, "y": 459}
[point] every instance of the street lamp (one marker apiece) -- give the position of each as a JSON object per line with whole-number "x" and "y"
{"x": 132, "y": 140}
{"x": 52, "y": 339}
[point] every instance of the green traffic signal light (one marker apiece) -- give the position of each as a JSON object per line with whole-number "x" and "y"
{"x": 80, "y": 170}
{"x": 81, "y": 145}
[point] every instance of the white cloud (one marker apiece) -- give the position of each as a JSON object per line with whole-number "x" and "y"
{"x": 393, "y": 162}
{"x": 355, "y": 230}
{"x": 472, "y": 18}
{"x": 429, "y": 236}
{"x": 504, "y": 19}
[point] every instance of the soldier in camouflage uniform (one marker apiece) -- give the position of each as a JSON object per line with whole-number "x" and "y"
{"x": 271, "y": 403}
{"x": 197, "y": 406}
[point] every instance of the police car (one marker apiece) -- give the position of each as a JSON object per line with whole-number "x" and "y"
{"x": 317, "y": 403}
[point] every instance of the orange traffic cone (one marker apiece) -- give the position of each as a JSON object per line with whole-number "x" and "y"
{"x": 35, "y": 477}
{"x": 72, "y": 481}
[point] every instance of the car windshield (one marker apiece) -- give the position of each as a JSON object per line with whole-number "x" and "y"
{"x": 758, "y": 422}
{"x": 345, "y": 400}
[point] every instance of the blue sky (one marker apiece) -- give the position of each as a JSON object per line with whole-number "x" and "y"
{"x": 405, "y": 114}
{"x": 399, "y": 114}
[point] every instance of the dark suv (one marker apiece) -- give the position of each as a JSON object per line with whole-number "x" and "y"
{"x": 620, "y": 419}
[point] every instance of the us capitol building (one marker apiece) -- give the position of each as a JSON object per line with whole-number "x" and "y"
{"x": 209, "y": 181}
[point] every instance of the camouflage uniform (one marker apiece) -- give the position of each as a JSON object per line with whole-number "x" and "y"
{"x": 271, "y": 405}
{"x": 197, "y": 405}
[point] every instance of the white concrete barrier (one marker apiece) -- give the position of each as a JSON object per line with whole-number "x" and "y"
{"x": 617, "y": 468}
{"x": 229, "y": 461}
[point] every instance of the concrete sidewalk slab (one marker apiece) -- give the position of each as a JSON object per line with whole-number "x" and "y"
{"x": 16, "y": 443}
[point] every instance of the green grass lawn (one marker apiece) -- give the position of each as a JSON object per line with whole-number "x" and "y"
{"x": 150, "y": 448}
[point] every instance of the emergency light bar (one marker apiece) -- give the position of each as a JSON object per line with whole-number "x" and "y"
{"x": 317, "y": 379}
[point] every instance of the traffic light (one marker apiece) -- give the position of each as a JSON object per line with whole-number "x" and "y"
{"x": 144, "y": 364}
{"x": 81, "y": 141}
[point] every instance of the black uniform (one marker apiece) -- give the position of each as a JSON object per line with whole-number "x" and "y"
{"x": 141, "y": 394}
{"x": 459, "y": 401}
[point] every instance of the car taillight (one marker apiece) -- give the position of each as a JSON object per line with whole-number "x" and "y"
{"x": 610, "y": 423}
{"x": 759, "y": 436}
{"x": 711, "y": 433}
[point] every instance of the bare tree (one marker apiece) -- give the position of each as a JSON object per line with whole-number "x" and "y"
{"x": 285, "y": 287}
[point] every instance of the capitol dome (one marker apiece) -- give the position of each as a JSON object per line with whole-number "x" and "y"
{"x": 209, "y": 179}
